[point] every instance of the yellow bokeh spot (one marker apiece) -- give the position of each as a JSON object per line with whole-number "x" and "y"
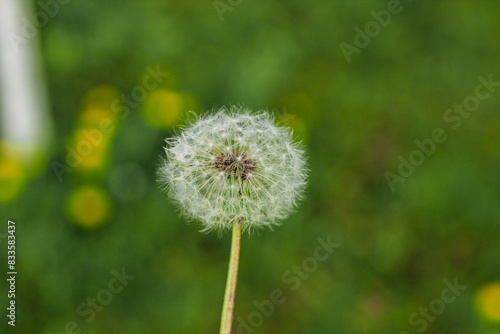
{"x": 30, "y": 159}
{"x": 96, "y": 159}
{"x": 90, "y": 146}
{"x": 96, "y": 117}
{"x": 163, "y": 108}
{"x": 488, "y": 301}
{"x": 102, "y": 97}
{"x": 12, "y": 179}
{"x": 88, "y": 206}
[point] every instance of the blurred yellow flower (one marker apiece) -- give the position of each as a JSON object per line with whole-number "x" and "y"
{"x": 88, "y": 206}
{"x": 163, "y": 108}
{"x": 95, "y": 159}
{"x": 90, "y": 144}
{"x": 12, "y": 179}
{"x": 488, "y": 301}
{"x": 93, "y": 116}
{"x": 90, "y": 148}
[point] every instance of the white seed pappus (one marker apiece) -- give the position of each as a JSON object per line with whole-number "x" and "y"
{"x": 234, "y": 165}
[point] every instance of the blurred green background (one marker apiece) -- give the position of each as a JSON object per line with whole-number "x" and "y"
{"x": 356, "y": 119}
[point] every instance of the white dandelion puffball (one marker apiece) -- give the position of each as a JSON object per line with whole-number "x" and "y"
{"x": 234, "y": 166}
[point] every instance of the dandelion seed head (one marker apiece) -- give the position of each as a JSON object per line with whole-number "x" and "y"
{"x": 234, "y": 165}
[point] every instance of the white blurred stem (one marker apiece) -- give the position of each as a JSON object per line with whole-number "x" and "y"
{"x": 23, "y": 100}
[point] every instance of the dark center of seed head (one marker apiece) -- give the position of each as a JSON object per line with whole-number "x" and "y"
{"x": 235, "y": 165}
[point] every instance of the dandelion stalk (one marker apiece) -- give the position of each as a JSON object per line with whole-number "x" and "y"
{"x": 232, "y": 278}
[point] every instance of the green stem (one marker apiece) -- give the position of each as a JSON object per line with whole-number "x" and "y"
{"x": 232, "y": 277}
